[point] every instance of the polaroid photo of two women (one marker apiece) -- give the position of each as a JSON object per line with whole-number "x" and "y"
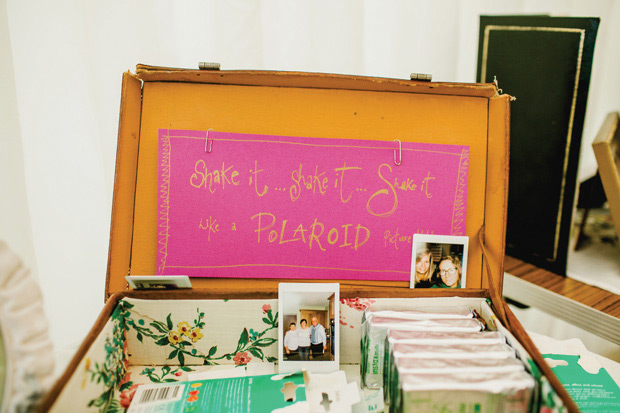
{"x": 439, "y": 261}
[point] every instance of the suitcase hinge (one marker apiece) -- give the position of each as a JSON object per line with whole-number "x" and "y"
{"x": 424, "y": 77}
{"x": 208, "y": 66}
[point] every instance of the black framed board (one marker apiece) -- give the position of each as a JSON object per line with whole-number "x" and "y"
{"x": 545, "y": 62}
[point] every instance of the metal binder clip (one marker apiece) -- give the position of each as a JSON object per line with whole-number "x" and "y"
{"x": 400, "y": 153}
{"x": 208, "y": 142}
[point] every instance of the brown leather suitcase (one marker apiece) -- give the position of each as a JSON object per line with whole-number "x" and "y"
{"x": 131, "y": 343}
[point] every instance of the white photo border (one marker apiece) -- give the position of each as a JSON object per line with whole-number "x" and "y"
{"x": 287, "y": 366}
{"x": 439, "y": 239}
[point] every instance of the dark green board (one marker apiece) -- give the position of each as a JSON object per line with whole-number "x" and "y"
{"x": 545, "y": 62}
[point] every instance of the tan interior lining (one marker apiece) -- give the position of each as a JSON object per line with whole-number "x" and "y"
{"x": 313, "y": 113}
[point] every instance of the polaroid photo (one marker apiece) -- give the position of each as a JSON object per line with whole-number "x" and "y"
{"x": 308, "y": 333}
{"x": 142, "y": 282}
{"x": 439, "y": 261}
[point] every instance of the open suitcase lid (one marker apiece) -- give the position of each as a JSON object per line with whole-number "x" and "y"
{"x": 313, "y": 105}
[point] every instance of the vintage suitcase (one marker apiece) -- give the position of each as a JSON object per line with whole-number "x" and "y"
{"x": 235, "y": 320}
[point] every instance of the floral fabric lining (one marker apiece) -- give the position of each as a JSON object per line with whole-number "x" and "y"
{"x": 184, "y": 340}
{"x": 145, "y": 342}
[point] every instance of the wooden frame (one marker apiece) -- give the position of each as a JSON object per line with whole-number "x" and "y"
{"x": 606, "y": 148}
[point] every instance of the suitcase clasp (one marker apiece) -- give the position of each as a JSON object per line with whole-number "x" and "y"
{"x": 424, "y": 77}
{"x": 208, "y": 66}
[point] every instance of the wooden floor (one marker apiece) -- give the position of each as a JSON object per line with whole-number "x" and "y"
{"x": 588, "y": 295}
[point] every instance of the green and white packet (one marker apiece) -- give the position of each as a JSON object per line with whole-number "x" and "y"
{"x": 407, "y": 365}
{"x": 443, "y": 337}
{"x": 465, "y": 392}
{"x": 453, "y": 351}
{"x": 428, "y": 313}
{"x": 373, "y": 341}
{"x": 254, "y": 394}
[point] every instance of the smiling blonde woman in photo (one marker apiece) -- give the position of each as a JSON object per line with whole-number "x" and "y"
{"x": 423, "y": 269}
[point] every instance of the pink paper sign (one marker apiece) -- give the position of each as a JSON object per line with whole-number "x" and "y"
{"x": 289, "y": 207}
